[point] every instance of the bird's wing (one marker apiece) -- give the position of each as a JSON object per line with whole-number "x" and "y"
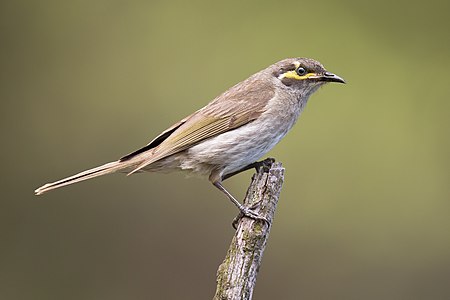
{"x": 236, "y": 107}
{"x": 156, "y": 141}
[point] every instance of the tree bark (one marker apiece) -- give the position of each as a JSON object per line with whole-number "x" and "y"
{"x": 236, "y": 276}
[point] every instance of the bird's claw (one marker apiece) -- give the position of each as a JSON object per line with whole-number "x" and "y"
{"x": 265, "y": 164}
{"x": 249, "y": 213}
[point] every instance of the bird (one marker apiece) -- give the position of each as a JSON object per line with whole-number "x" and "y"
{"x": 230, "y": 133}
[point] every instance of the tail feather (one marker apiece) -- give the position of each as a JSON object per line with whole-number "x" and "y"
{"x": 85, "y": 175}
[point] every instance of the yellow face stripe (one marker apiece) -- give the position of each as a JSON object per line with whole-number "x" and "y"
{"x": 294, "y": 75}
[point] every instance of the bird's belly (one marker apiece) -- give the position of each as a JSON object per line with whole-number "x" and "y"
{"x": 237, "y": 148}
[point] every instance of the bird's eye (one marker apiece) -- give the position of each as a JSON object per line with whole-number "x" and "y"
{"x": 301, "y": 71}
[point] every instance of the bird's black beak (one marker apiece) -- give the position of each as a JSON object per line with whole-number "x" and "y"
{"x": 330, "y": 77}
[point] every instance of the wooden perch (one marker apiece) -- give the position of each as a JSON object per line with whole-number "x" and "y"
{"x": 236, "y": 276}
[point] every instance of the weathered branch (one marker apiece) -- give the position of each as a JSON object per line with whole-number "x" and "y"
{"x": 236, "y": 276}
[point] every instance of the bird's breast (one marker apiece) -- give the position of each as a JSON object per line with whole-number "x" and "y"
{"x": 237, "y": 148}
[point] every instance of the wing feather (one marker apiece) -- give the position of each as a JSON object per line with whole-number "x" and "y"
{"x": 155, "y": 142}
{"x": 234, "y": 108}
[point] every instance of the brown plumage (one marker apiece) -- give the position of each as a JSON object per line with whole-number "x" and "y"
{"x": 228, "y": 134}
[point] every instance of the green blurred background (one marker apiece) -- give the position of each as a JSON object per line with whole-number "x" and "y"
{"x": 365, "y": 209}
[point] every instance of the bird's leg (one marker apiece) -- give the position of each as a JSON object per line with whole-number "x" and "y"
{"x": 244, "y": 211}
{"x": 257, "y": 165}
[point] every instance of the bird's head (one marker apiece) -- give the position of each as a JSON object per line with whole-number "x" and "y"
{"x": 302, "y": 74}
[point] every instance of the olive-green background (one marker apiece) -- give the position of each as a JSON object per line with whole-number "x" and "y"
{"x": 365, "y": 209}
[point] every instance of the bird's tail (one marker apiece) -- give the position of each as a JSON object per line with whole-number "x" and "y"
{"x": 108, "y": 168}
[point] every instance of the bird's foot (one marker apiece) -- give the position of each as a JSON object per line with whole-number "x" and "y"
{"x": 249, "y": 213}
{"x": 264, "y": 164}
